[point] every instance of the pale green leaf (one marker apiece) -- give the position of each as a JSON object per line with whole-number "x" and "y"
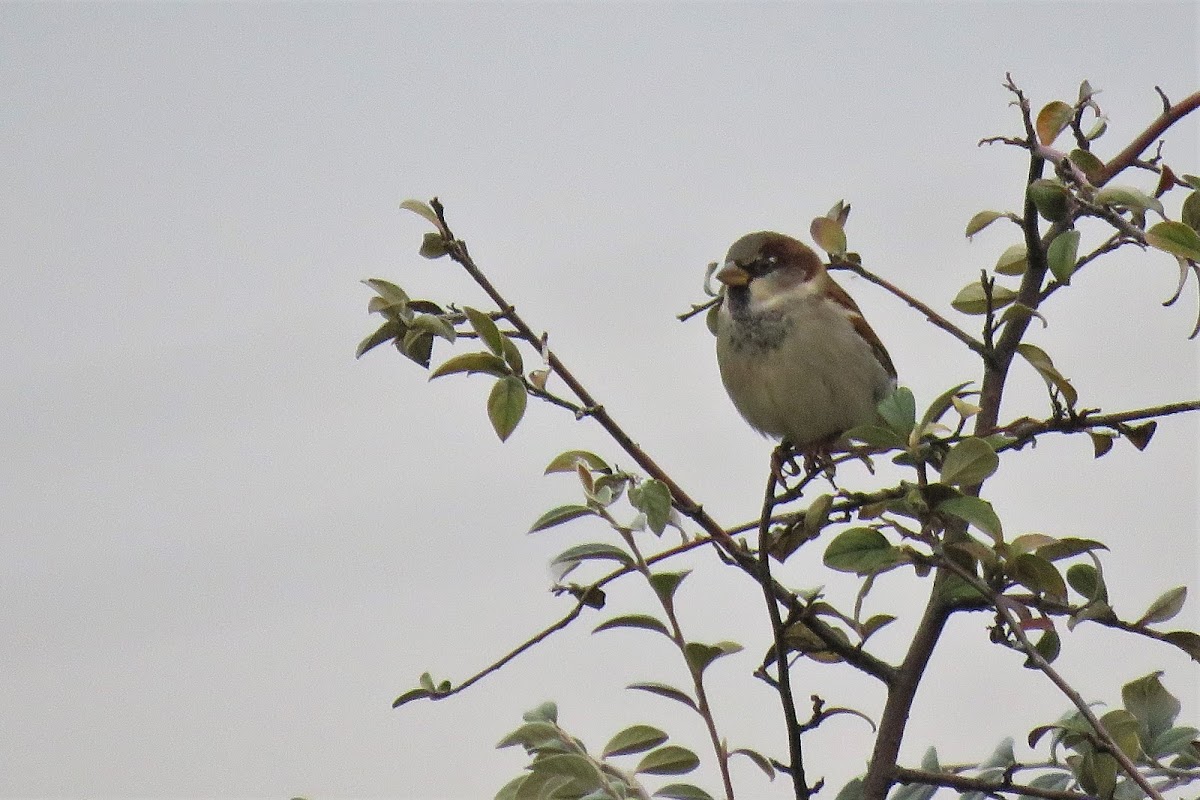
{"x": 506, "y": 405}
{"x": 969, "y": 462}
{"x": 1062, "y": 254}
{"x": 557, "y": 516}
{"x": 1175, "y": 238}
{"x": 634, "y": 739}
{"x": 669, "y": 760}
{"x": 642, "y": 621}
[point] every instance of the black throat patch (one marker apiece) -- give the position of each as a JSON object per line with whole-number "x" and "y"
{"x": 764, "y": 330}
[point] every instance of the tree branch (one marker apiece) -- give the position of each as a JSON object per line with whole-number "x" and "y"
{"x": 457, "y": 250}
{"x": 784, "y": 683}
{"x": 1127, "y": 157}
{"x": 932, "y": 316}
{"x": 964, "y": 783}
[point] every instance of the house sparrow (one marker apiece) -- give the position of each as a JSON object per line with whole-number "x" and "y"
{"x": 796, "y": 356}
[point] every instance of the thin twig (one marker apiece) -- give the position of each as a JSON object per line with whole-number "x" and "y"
{"x": 1027, "y": 429}
{"x": 784, "y": 682}
{"x": 933, "y": 316}
{"x": 964, "y": 783}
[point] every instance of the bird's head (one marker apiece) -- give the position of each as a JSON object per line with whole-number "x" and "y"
{"x": 765, "y": 265}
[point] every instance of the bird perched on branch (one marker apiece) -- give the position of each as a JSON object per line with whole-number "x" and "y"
{"x": 796, "y": 355}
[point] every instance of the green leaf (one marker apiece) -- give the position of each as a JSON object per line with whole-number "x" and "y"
{"x": 557, "y": 516}
{"x": 471, "y": 363}
{"x": 829, "y": 235}
{"x": 1051, "y": 199}
{"x": 1165, "y": 607}
{"x": 1173, "y": 741}
{"x": 975, "y": 511}
{"x": 1127, "y": 197}
{"x": 652, "y": 498}
{"x": 1140, "y": 435}
{"x": 942, "y": 404}
{"x": 512, "y": 354}
{"x": 1101, "y": 442}
{"x": 1123, "y": 726}
{"x": 417, "y": 346}
{"x": 913, "y": 791}
{"x": 663, "y": 690}
{"x": 433, "y": 245}
{"x": 1048, "y": 646}
{"x": 1087, "y": 162}
{"x": 506, "y": 405}
{"x": 593, "y": 551}
{"x": 541, "y": 785}
{"x": 875, "y": 623}
{"x": 973, "y": 300}
{"x": 981, "y": 220}
{"x": 1052, "y": 120}
{"x": 567, "y": 462}
{"x": 545, "y": 712}
{"x": 410, "y": 695}
{"x": 899, "y": 410}
{"x": 510, "y": 789}
{"x": 389, "y": 291}
{"x": 1151, "y": 705}
{"x": 1002, "y": 756}
{"x": 634, "y": 739}
{"x": 1028, "y": 543}
{"x": 665, "y": 583}
{"x": 1175, "y": 238}
{"x": 1013, "y": 261}
{"x": 760, "y": 761}
{"x": 1068, "y": 547}
{"x": 422, "y": 209}
{"x": 1062, "y": 254}
{"x": 1187, "y": 641}
{"x": 486, "y": 328}
{"x": 1086, "y": 579}
{"x": 969, "y": 463}
{"x": 853, "y": 790}
{"x": 1189, "y": 214}
{"x": 1039, "y": 576}
{"x": 643, "y": 621}
{"x": 532, "y": 734}
{"x": 434, "y": 325}
{"x": 876, "y": 436}
{"x": 669, "y": 760}
{"x": 683, "y": 791}
{"x": 1097, "y": 773}
{"x": 700, "y": 655}
{"x": 860, "y": 550}
{"x": 386, "y": 332}
{"x": 1040, "y": 361}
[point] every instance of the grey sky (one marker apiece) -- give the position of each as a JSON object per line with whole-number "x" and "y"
{"x": 228, "y": 546}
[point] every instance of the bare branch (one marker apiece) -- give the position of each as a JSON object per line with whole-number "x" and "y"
{"x": 964, "y": 783}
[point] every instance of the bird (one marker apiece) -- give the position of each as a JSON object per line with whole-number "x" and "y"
{"x": 796, "y": 355}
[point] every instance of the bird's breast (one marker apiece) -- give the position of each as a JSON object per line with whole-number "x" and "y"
{"x": 802, "y": 372}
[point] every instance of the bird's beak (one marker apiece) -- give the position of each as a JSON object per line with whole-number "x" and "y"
{"x": 732, "y": 275}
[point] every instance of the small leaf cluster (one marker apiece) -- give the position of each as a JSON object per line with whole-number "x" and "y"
{"x": 562, "y": 769}
{"x": 411, "y": 325}
{"x": 1080, "y": 188}
{"x": 1146, "y": 733}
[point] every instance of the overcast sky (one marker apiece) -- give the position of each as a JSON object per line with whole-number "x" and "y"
{"x": 227, "y": 545}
